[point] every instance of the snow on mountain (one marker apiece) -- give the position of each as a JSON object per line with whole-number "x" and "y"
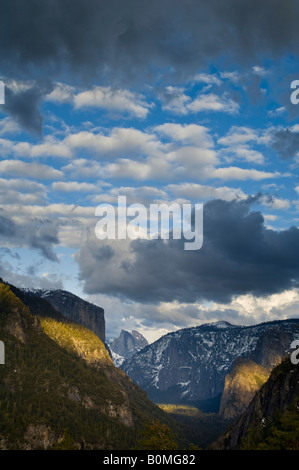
{"x": 126, "y": 345}
{"x": 191, "y": 364}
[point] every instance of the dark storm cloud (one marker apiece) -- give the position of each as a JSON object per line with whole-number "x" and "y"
{"x": 239, "y": 256}
{"x": 129, "y": 43}
{"x": 23, "y": 104}
{"x": 43, "y": 235}
{"x": 286, "y": 143}
{"x": 38, "y": 234}
{"x": 132, "y": 39}
{"x": 7, "y": 226}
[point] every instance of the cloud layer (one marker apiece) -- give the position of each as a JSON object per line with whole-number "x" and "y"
{"x": 126, "y": 39}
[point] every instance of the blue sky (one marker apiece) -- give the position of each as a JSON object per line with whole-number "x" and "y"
{"x": 176, "y": 114}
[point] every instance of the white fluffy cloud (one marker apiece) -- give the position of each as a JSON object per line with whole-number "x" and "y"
{"x": 114, "y": 101}
{"x": 18, "y": 168}
{"x": 73, "y": 186}
{"x": 214, "y": 103}
{"x": 199, "y": 192}
{"x": 176, "y": 100}
{"x": 242, "y": 174}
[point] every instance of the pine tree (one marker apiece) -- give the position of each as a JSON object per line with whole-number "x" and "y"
{"x": 157, "y": 436}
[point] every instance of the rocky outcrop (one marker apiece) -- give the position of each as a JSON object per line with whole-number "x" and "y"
{"x": 39, "y": 437}
{"x": 241, "y": 384}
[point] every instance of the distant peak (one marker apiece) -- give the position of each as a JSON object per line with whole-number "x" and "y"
{"x": 223, "y": 324}
{"x": 220, "y": 324}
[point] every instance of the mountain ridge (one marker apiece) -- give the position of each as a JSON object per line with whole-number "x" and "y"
{"x": 190, "y": 365}
{"x": 59, "y": 385}
{"x": 74, "y": 308}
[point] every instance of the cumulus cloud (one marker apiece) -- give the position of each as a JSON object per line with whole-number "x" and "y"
{"x": 209, "y": 79}
{"x": 13, "y": 191}
{"x": 74, "y": 186}
{"x": 213, "y": 102}
{"x": 48, "y": 147}
{"x": 244, "y": 153}
{"x": 145, "y": 195}
{"x": 61, "y": 93}
{"x": 113, "y": 100}
{"x": 175, "y": 100}
{"x": 39, "y": 234}
{"x": 82, "y": 168}
{"x": 188, "y": 134}
{"x": 199, "y": 192}
{"x": 239, "y": 142}
{"x": 116, "y": 143}
{"x": 239, "y": 256}
{"x": 18, "y": 168}
{"x": 286, "y": 143}
{"x": 242, "y": 174}
{"x": 22, "y": 103}
{"x": 8, "y": 126}
{"x": 275, "y": 203}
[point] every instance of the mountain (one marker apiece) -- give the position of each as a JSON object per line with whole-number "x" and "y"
{"x": 126, "y": 345}
{"x": 271, "y": 421}
{"x": 241, "y": 384}
{"x": 74, "y": 308}
{"x": 248, "y": 375}
{"x": 59, "y": 388}
{"x": 190, "y": 365}
{"x": 272, "y": 345}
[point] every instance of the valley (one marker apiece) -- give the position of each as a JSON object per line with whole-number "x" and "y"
{"x": 63, "y": 386}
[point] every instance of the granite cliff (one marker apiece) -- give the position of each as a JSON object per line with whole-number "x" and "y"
{"x": 240, "y": 386}
{"x": 190, "y": 365}
{"x": 74, "y": 308}
{"x": 126, "y": 345}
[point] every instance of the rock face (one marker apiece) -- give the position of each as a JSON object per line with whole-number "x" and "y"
{"x": 279, "y": 392}
{"x": 271, "y": 347}
{"x": 126, "y": 345}
{"x": 191, "y": 364}
{"x": 76, "y": 309}
{"x": 240, "y": 386}
{"x": 248, "y": 375}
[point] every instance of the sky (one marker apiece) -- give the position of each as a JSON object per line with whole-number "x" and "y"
{"x": 168, "y": 101}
